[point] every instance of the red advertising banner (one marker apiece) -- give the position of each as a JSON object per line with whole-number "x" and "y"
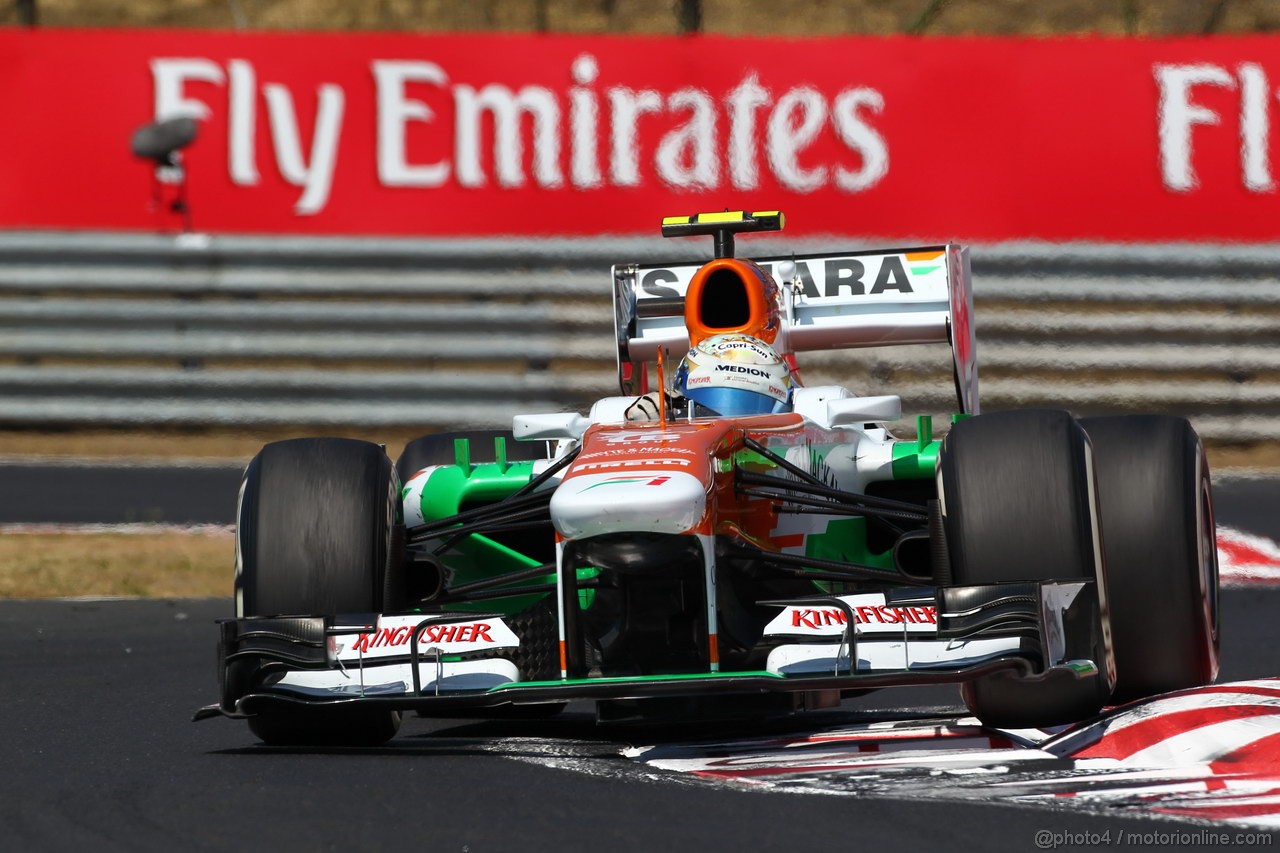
{"x": 448, "y": 135}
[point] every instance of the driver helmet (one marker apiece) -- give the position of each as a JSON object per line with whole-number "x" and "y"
{"x": 733, "y": 375}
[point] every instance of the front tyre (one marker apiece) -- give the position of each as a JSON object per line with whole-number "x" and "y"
{"x": 317, "y": 534}
{"x": 1018, "y": 505}
{"x": 1161, "y": 552}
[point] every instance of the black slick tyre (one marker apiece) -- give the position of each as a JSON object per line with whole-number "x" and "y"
{"x": 1158, "y": 535}
{"x": 317, "y": 534}
{"x": 1017, "y": 506}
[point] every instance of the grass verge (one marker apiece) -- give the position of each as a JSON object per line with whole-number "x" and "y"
{"x": 193, "y": 563}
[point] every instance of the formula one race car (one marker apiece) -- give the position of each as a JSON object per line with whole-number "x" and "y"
{"x": 721, "y": 540}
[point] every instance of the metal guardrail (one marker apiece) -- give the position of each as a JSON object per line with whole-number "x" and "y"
{"x": 146, "y": 330}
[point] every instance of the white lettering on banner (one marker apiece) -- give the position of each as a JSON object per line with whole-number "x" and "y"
{"x": 170, "y": 77}
{"x": 395, "y": 110}
{"x": 627, "y": 106}
{"x": 317, "y": 176}
{"x": 861, "y": 137}
{"x": 1255, "y": 128}
{"x": 691, "y": 151}
{"x": 506, "y": 108}
{"x": 742, "y": 104}
{"x": 794, "y": 124}
{"x": 584, "y": 111}
{"x": 1179, "y": 116}
{"x": 687, "y": 156}
{"x": 242, "y": 87}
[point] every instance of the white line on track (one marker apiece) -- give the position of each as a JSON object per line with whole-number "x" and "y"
{"x": 133, "y": 529}
{"x": 176, "y": 462}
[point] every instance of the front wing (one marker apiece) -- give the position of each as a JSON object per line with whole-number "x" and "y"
{"x": 458, "y": 661}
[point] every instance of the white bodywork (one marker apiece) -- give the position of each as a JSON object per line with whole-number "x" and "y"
{"x": 592, "y": 504}
{"x": 885, "y": 638}
{"x": 372, "y": 662}
{"x": 397, "y": 679}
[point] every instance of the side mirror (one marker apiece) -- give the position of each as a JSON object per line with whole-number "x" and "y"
{"x": 549, "y": 427}
{"x": 853, "y": 411}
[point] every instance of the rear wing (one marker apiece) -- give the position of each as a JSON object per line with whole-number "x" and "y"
{"x": 844, "y": 300}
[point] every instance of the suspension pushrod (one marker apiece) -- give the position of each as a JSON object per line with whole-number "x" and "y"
{"x": 531, "y": 517}
{"x": 521, "y": 498}
{"x": 837, "y": 509}
{"x": 752, "y": 444}
{"x": 423, "y": 532}
{"x": 754, "y": 478}
{"x": 502, "y": 580}
{"x": 486, "y": 595}
{"x": 547, "y": 474}
{"x": 813, "y": 510}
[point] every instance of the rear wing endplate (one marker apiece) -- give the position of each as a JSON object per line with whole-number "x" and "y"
{"x": 845, "y": 300}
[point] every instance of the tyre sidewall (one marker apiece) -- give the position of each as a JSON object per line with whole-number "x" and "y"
{"x": 1157, "y": 509}
{"x": 316, "y": 525}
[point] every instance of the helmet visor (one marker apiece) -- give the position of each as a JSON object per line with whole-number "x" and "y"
{"x": 732, "y": 402}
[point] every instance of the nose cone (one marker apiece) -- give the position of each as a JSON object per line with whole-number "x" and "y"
{"x": 594, "y": 504}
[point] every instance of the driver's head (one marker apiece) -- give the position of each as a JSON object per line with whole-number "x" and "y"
{"x": 734, "y": 375}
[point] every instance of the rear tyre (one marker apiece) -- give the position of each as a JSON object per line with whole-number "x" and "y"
{"x": 1161, "y": 552}
{"x": 317, "y": 534}
{"x": 1017, "y": 506}
{"x": 438, "y": 449}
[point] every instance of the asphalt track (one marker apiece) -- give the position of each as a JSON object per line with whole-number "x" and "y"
{"x": 78, "y": 493}
{"x": 98, "y": 752}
